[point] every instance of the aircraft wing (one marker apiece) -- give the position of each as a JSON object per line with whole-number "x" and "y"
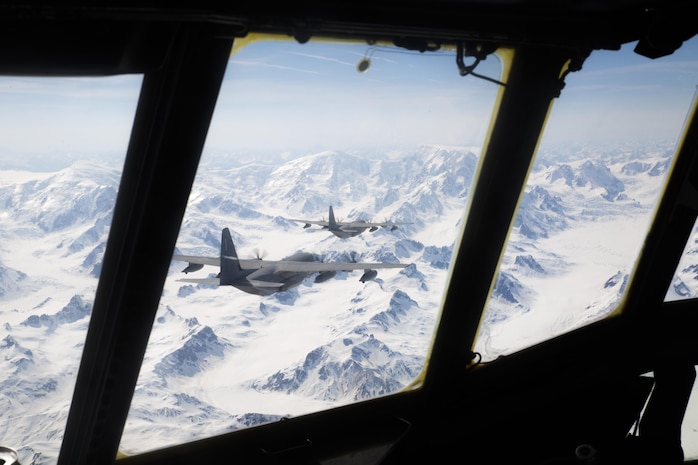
{"x": 198, "y": 260}
{"x": 319, "y": 223}
{"x": 311, "y": 267}
{"x": 350, "y": 224}
{"x": 216, "y": 282}
{"x": 366, "y": 224}
{"x": 285, "y": 265}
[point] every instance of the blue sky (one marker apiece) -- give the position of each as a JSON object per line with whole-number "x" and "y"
{"x": 312, "y": 96}
{"x": 622, "y": 96}
{"x": 65, "y": 117}
{"x": 301, "y": 98}
{"x": 287, "y": 96}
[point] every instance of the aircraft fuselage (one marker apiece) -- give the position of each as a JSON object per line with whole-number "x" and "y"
{"x": 345, "y": 232}
{"x": 265, "y": 277}
{"x": 288, "y": 279}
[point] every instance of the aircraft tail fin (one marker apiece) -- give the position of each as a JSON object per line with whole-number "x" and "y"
{"x": 230, "y": 265}
{"x": 332, "y": 221}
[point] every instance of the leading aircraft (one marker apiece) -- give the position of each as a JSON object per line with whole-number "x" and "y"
{"x": 265, "y": 277}
{"x": 345, "y": 229}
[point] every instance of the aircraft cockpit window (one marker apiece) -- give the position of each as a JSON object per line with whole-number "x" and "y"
{"x": 62, "y": 148}
{"x": 685, "y": 282}
{"x": 314, "y": 252}
{"x": 590, "y": 197}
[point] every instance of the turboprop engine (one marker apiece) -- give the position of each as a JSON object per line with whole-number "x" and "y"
{"x": 368, "y": 275}
{"x": 324, "y": 276}
{"x": 192, "y": 267}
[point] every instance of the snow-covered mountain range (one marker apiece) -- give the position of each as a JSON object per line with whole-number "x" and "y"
{"x": 220, "y": 359}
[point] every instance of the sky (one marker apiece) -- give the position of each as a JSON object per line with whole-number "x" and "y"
{"x": 66, "y": 118}
{"x": 280, "y": 96}
{"x": 622, "y": 96}
{"x": 292, "y": 99}
{"x": 313, "y": 97}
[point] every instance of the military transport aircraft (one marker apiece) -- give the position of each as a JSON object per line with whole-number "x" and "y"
{"x": 345, "y": 229}
{"x": 265, "y": 277}
{"x": 613, "y": 391}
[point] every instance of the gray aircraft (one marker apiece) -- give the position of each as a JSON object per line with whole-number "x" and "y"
{"x": 264, "y": 277}
{"x": 345, "y": 229}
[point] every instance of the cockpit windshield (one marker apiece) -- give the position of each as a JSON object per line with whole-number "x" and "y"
{"x": 591, "y": 195}
{"x": 333, "y": 183}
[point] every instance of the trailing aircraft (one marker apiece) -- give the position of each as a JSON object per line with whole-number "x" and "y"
{"x": 345, "y": 229}
{"x": 265, "y": 277}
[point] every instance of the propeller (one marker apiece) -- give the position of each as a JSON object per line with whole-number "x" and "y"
{"x": 259, "y": 254}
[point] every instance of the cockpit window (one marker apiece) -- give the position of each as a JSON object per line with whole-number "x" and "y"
{"x": 62, "y": 147}
{"x": 685, "y": 283}
{"x": 333, "y": 183}
{"x": 590, "y": 197}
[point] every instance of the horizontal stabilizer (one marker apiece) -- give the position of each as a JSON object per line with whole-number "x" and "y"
{"x": 192, "y": 259}
{"x": 257, "y": 283}
{"x": 214, "y": 281}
